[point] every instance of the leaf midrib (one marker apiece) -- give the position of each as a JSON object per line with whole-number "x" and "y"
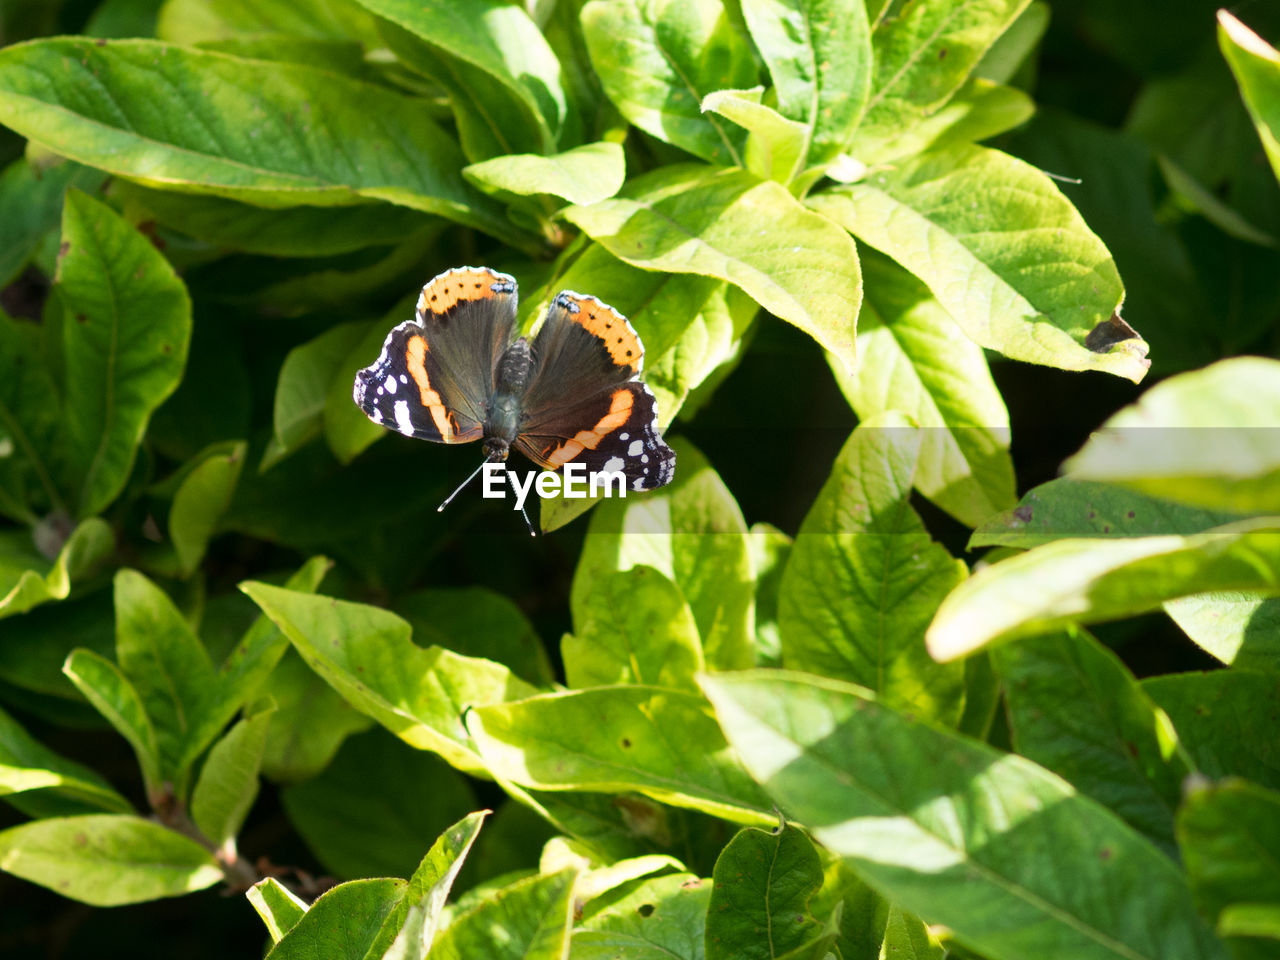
{"x": 109, "y": 412}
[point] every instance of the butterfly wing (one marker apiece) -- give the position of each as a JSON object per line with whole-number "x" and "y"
{"x": 435, "y": 374}
{"x": 585, "y": 404}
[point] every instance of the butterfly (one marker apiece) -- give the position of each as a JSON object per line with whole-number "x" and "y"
{"x": 457, "y": 373}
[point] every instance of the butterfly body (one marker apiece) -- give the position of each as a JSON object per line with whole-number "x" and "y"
{"x": 457, "y": 373}
{"x": 504, "y": 414}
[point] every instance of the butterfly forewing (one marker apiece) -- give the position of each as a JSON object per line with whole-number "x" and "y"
{"x": 584, "y": 403}
{"x": 435, "y": 374}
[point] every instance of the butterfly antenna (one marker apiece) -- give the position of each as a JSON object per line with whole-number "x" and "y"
{"x": 528, "y": 523}
{"x": 449, "y": 498}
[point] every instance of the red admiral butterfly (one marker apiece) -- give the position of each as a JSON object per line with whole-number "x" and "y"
{"x": 454, "y": 374}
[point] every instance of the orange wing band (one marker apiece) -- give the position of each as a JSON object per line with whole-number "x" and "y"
{"x": 415, "y": 358}
{"x": 619, "y": 411}
{"x": 601, "y": 320}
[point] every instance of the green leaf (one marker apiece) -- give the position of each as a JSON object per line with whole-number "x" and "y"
{"x": 1250, "y": 920}
{"x": 296, "y": 287}
{"x": 1016, "y": 266}
{"x": 31, "y": 206}
{"x": 199, "y": 21}
{"x": 345, "y": 923}
{"x": 491, "y": 119}
{"x": 111, "y": 694}
{"x": 693, "y": 533}
{"x": 775, "y": 146}
{"x": 29, "y": 432}
{"x": 22, "y": 586}
{"x": 336, "y": 56}
{"x": 922, "y": 57}
{"x": 656, "y": 919}
{"x": 706, "y": 353}
{"x": 347, "y": 431}
{"x": 1074, "y": 708}
{"x": 731, "y": 225}
{"x": 494, "y": 39}
{"x": 915, "y": 360}
{"x": 1008, "y": 57}
{"x": 1068, "y": 507}
{"x": 210, "y": 114}
{"x": 819, "y": 55}
{"x": 478, "y": 622}
{"x": 279, "y": 909}
{"x": 1175, "y": 291}
{"x": 770, "y": 550}
{"x": 657, "y": 59}
{"x": 1229, "y": 833}
{"x": 430, "y": 884}
{"x": 303, "y": 389}
{"x": 528, "y": 920}
{"x": 200, "y": 502}
{"x": 228, "y": 782}
{"x": 251, "y": 662}
{"x": 366, "y": 654}
{"x": 1205, "y": 438}
{"x": 1256, "y": 66}
{"x": 413, "y": 939}
{"x": 980, "y": 109}
{"x": 292, "y": 232}
{"x": 124, "y": 337}
{"x": 169, "y": 668}
{"x": 636, "y": 627}
{"x": 1241, "y": 629}
{"x": 909, "y": 938}
{"x": 1223, "y": 719}
{"x": 584, "y": 174}
{"x": 1195, "y": 117}
{"x": 310, "y": 723}
{"x": 1196, "y": 196}
{"x": 615, "y": 739}
{"x": 602, "y": 879}
{"x": 1090, "y": 581}
{"x": 864, "y": 578}
{"x": 27, "y": 765}
{"x": 357, "y": 832}
{"x": 955, "y": 831}
{"x": 760, "y": 895}
{"x": 107, "y": 860}
{"x": 863, "y": 913}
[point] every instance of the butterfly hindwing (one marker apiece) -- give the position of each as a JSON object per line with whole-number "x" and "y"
{"x": 435, "y": 374}
{"x": 585, "y": 404}
{"x": 618, "y": 433}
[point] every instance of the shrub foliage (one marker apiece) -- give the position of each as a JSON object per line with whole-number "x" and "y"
{"x": 837, "y": 731}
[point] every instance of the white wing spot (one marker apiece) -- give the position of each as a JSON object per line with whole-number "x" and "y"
{"x": 635, "y": 448}
{"x": 612, "y": 465}
{"x": 403, "y": 378}
{"x": 644, "y": 458}
{"x": 390, "y": 384}
{"x": 624, "y": 436}
{"x": 402, "y": 418}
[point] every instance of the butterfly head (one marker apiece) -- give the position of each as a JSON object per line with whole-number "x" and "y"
{"x": 496, "y": 449}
